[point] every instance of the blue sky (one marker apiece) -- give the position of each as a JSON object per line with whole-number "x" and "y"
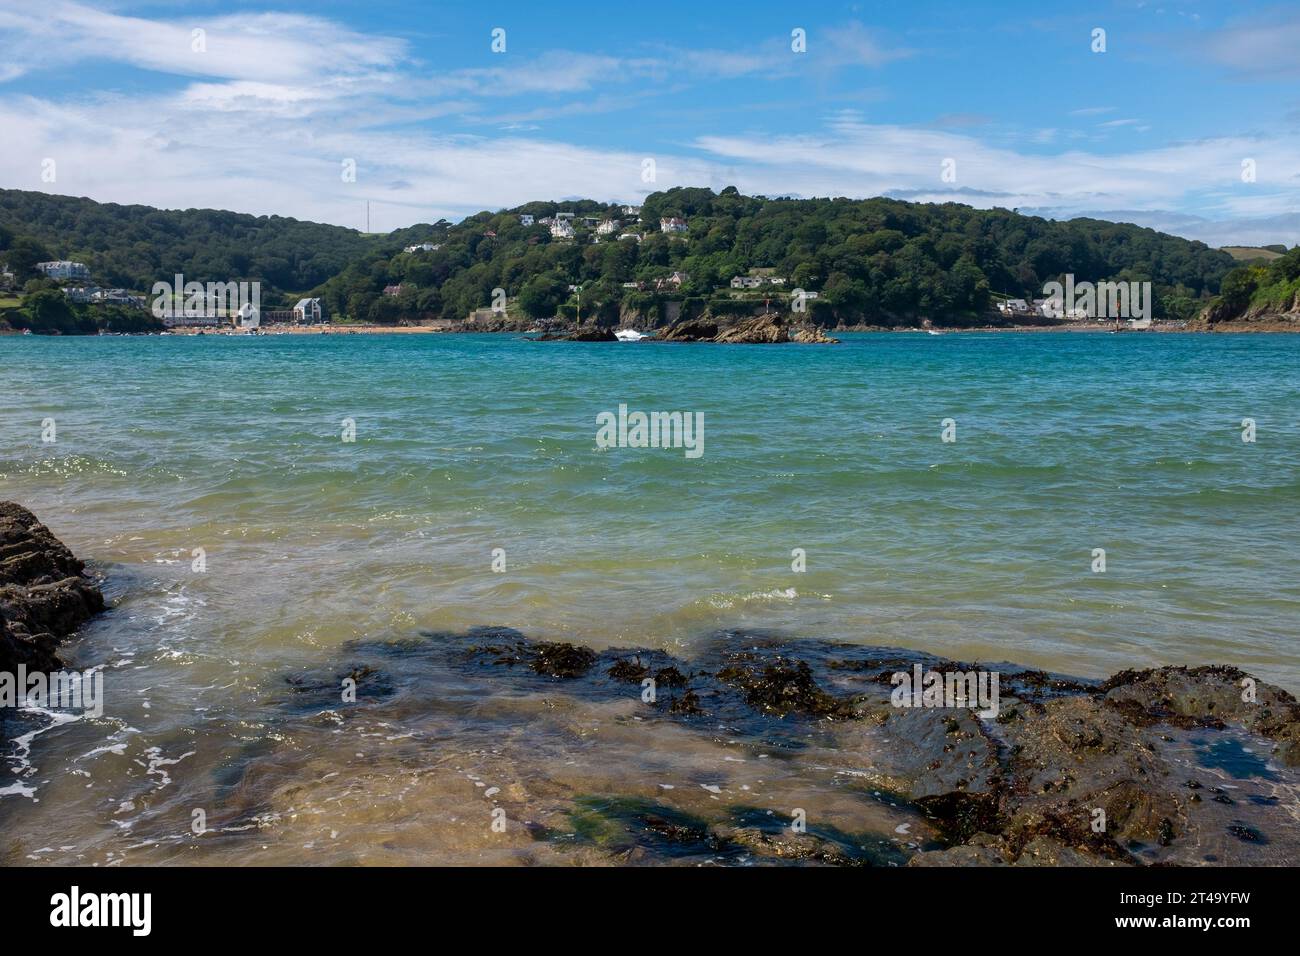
{"x": 260, "y": 111}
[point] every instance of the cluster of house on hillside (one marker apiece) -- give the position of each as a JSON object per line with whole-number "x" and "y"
{"x": 756, "y": 281}
{"x": 1038, "y": 308}
{"x": 669, "y": 283}
{"x": 68, "y": 270}
{"x": 93, "y": 293}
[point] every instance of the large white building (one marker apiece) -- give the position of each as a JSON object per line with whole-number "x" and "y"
{"x": 307, "y": 311}
{"x": 672, "y": 224}
{"x": 63, "y": 269}
{"x": 562, "y": 229}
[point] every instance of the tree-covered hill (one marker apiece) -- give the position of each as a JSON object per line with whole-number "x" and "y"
{"x": 873, "y": 261}
{"x": 1259, "y": 291}
{"x": 135, "y": 246}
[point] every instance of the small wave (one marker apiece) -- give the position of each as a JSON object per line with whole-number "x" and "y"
{"x": 21, "y": 757}
{"x": 725, "y": 601}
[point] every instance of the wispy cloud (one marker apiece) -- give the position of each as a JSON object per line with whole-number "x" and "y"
{"x": 1260, "y": 47}
{"x": 258, "y": 47}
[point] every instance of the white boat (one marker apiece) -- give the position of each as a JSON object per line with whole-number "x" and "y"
{"x": 630, "y": 335}
{"x": 932, "y": 332}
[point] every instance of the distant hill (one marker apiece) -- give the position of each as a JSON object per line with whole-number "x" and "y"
{"x": 874, "y": 261}
{"x": 134, "y": 246}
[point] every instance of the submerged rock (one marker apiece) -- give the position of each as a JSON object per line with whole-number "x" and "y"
{"x": 768, "y": 751}
{"x": 44, "y": 593}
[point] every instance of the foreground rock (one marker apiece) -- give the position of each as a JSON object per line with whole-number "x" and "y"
{"x": 661, "y": 759}
{"x": 44, "y": 593}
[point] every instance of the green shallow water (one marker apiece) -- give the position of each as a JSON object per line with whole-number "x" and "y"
{"x": 978, "y": 549}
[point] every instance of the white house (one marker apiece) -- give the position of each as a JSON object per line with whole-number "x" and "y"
{"x": 1013, "y": 306}
{"x": 562, "y": 229}
{"x": 119, "y": 297}
{"x": 672, "y": 224}
{"x": 746, "y": 282}
{"x": 525, "y": 219}
{"x": 630, "y": 235}
{"x": 631, "y": 210}
{"x": 81, "y": 293}
{"x": 423, "y": 247}
{"x": 307, "y": 311}
{"x": 608, "y": 227}
{"x": 63, "y": 269}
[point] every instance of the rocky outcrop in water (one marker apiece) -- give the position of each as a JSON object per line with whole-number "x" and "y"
{"x": 44, "y": 593}
{"x": 766, "y": 329}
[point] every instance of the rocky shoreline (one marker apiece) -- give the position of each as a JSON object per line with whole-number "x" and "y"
{"x": 45, "y": 594}
{"x": 757, "y": 749}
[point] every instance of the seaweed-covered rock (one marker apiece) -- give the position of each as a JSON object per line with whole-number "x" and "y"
{"x": 44, "y": 593}
{"x": 780, "y": 686}
{"x": 1210, "y": 696}
{"x": 1172, "y": 766}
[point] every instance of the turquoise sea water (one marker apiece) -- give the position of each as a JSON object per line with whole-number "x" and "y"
{"x": 977, "y": 549}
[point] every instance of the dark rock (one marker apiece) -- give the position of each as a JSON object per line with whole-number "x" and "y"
{"x": 690, "y": 330}
{"x": 590, "y": 335}
{"x": 1210, "y": 696}
{"x": 44, "y": 593}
